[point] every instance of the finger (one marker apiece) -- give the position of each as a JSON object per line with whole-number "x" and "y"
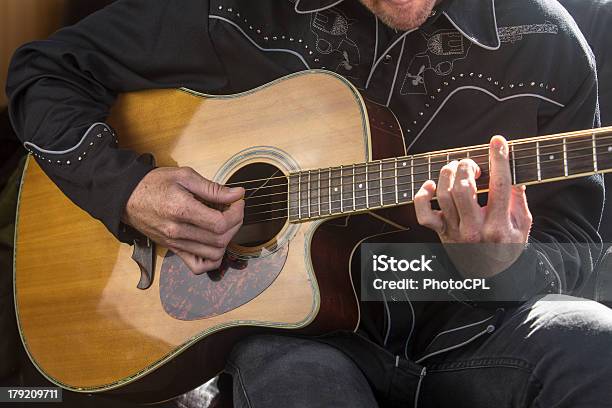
{"x": 208, "y": 190}
{"x": 426, "y": 216}
{"x": 196, "y": 264}
{"x": 234, "y": 214}
{"x": 464, "y": 193}
{"x": 191, "y": 232}
{"x": 444, "y": 194}
{"x": 195, "y": 248}
{"x": 209, "y": 219}
{"x": 519, "y": 209}
{"x": 500, "y": 182}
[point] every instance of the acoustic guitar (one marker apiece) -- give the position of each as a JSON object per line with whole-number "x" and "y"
{"x": 323, "y": 169}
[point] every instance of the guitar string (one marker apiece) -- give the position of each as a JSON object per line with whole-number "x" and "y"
{"x": 352, "y": 203}
{"x": 428, "y": 163}
{"x": 425, "y": 155}
{"x": 483, "y": 167}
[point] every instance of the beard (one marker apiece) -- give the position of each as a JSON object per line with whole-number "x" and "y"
{"x": 401, "y": 15}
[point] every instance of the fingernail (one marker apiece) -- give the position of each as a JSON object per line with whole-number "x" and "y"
{"x": 235, "y": 189}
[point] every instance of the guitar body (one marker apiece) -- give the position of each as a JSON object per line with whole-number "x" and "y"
{"x": 86, "y": 325}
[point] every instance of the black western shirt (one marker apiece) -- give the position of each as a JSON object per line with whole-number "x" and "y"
{"x": 473, "y": 70}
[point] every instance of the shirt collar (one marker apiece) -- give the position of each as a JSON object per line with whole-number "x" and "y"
{"x": 475, "y": 19}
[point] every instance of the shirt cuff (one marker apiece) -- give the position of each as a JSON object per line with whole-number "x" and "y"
{"x": 97, "y": 175}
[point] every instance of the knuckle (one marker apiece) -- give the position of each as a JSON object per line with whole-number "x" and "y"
{"x": 185, "y": 172}
{"x": 463, "y": 187}
{"x": 175, "y": 209}
{"x": 469, "y": 234}
{"x": 219, "y": 226}
{"x": 492, "y": 233}
{"x": 171, "y": 232}
{"x": 500, "y": 184}
{"x": 217, "y": 255}
{"x": 216, "y": 264}
{"x": 466, "y": 165}
{"x": 447, "y": 171}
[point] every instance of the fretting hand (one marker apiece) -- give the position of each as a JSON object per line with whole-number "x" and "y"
{"x": 167, "y": 206}
{"x": 498, "y": 231}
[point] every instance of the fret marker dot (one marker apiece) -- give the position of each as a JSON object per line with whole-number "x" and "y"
{"x": 335, "y": 188}
{"x": 551, "y": 157}
{"x": 405, "y": 195}
{"x": 610, "y": 148}
{"x": 404, "y": 164}
{"x": 361, "y": 186}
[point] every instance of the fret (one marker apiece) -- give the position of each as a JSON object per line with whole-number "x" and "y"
{"x": 429, "y": 167}
{"x": 341, "y": 190}
{"x": 481, "y": 158}
{"x": 604, "y": 153}
{"x": 396, "y": 186}
{"x": 436, "y": 162}
{"x": 329, "y": 196}
{"x": 353, "y": 187}
{"x": 360, "y": 187}
{"x": 299, "y": 195}
{"x": 525, "y": 162}
{"x": 420, "y": 172}
{"x": 458, "y": 155}
{"x": 335, "y": 191}
{"x": 404, "y": 181}
{"x": 551, "y": 159}
{"x": 538, "y": 161}
{"x": 308, "y": 188}
{"x": 565, "y": 172}
{"x": 304, "y": 195}
{"x": 373, "y": 192}
{"x": 412, "y": 177}
{"x": 319, "y": 191}
{"x": 314, "y": 194}
{"x": 388, "y": 182}
{"x": 348, "y": 202}
{"x": 294, "y": 208}
{"x": 367, "y": 186}
{"x": 325, "y": 192}
{"x": 594, "y": 153}
{"x": 580, "y": 158}
{"x": 380, "y": 184}
{"x": 513, "y": 158}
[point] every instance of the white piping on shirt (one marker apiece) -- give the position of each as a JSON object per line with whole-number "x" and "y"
{"x": 474, "y": 40}
{"x": 458, "y": 328}
{"x": 297, "y": 2}
{"x": 399, "y": 60}
{"x": 489, "y": 329}
{"x": 32, "y": 145}
{"x": 257, "y": 45}
{"x": 401, "y": 37}
{"x": 476, "y": 88}
{"x": 413, "y": 322}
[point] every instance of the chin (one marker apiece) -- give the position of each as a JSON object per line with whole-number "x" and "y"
{"x": 401, "y": 14}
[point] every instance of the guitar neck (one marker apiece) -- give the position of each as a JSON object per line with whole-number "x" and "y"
{"x": 359, "y": 187}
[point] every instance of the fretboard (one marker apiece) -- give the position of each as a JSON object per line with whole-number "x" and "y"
{"x": 333, "y": 191}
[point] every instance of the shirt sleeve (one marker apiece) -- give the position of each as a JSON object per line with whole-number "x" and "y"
{"x": 564, "y": 241}
{"x": 61, "y": 90}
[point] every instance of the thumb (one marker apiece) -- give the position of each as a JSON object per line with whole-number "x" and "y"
{"x": 210, "y": 191}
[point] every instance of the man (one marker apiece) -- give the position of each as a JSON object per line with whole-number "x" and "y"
{"x": 455, "y": 73}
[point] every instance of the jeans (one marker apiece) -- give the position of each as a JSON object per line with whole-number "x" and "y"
{"x": 555, "y": 351}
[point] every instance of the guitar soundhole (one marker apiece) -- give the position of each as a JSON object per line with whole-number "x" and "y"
{"x": 265, "y": 211}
